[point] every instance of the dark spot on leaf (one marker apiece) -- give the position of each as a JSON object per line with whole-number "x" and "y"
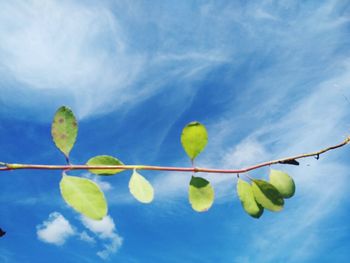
{"x": 60, "y": 120}
{"x": 63, "y": 136}
{"x": 193, "y": 123}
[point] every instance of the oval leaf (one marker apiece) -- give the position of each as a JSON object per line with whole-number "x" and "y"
{"x": 267, "y": 195}
{"x": 194, "y": 138}
{"x": 104, "y": 160}
{"x": 201, "y": 194}
{"x": 140, "y": 188}
{"x": 283, "y": 182}
{"x": 246, "y": 195}
{"x": 64, "y": 130}
{"x": 84, "y": 196}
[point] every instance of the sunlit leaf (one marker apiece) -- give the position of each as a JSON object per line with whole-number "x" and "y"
{"x": 194, "y": 138}
{"x": 64, "y": 130}
{"x": 84, "y": 196}
{"x": 267, "y": 195}
{"x": 201, "y": 194}
{"x": 104, "y": 160}
{"x": 140, "y": 188}
{"x": 246, "y": 195}
{"x": 283, "y": 182}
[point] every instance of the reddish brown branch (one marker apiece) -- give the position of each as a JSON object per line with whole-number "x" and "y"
{"x": 8, "y": 166}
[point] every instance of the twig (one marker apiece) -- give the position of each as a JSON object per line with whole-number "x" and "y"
{"x": 287, "y": 160}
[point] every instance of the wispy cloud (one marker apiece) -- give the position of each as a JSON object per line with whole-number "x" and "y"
{"x": 105, "y": 230}
{"x": 294, "y": 104}
{"x": 86, "y": 56}
{"x": 68, "y": 50}
{"x": 55, "y": 230}
{"x": 86, "y": 237}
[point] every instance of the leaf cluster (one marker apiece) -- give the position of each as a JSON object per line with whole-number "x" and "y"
{"x": 86, "y": 197}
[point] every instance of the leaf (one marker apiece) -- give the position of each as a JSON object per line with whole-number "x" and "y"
{"x": 104, "y": 160}
{"x": 84, "y": 196}
{"x": 246, "y": 195}
{"x": 201, "y": 194}
{"x": 194, "y": 138}
{"x": 140, "y": 188}
{"x": 283, "y": 182}
{"x": 267, "y": 195}
{"x": 64, "y": 130}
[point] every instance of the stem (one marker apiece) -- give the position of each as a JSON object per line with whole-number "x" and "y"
{"x": 14, "y": 166}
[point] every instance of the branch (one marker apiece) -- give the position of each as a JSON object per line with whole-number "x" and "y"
{"x": 286, "y": 160}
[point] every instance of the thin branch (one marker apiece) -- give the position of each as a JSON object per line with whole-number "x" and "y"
{"x": 14, "y": 166}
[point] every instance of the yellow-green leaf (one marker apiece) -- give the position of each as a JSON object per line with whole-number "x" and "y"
{"x": 246, "y": 195}
{"x": 283, "y": 182}
{"x": 140, "y": 188}
{"x": 267, "y": 195}
{"x": 84, "y": 196}
{"x": 64, "y": 130}
{"x": 194, "y": 138}
{"x": 104, "y": 160}
{"x": 201, "y": 194}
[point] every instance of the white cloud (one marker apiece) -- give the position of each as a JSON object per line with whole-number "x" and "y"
{"x": 85, "y": 56}
{"x": 247, "y": 152}
{"x": 110, "y": 248}
{"x": 56, "y": 230}
{"x": 105, "y": 230}
{"x": 68, "y": 52}
{"x": 86, "y": 237}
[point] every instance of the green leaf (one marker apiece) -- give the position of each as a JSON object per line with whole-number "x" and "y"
{"x": 104, "y": 160}
{"x": 283, "y": 182}
{"x": 84, "y": 196}
{"x": 140, "y": 188}
{"x": 246, "y": 195}
{"x": 194, "y": 138}
{"x": 201, "y": 194}
{"x": 267, "y": 195}
{"x": 64, "y": 130}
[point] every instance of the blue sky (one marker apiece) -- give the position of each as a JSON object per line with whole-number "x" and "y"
{"x": 268, "y": 79}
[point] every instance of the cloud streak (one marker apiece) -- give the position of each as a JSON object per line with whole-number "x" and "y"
{"x": 84, "y": 55}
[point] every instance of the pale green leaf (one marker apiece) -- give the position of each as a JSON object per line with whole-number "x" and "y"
{"x": 267, "y": 195}
{"x": 194, "y": 138}
{"x": 246, "y": 195}
{"x": 64, "y": 130}
{"x": 140, "y": 188}
{"x": 201, "y": 194}
{"x": 84, "y": 196}
{"x": 283, "y": 182}
{"x": 104, "y": 160}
